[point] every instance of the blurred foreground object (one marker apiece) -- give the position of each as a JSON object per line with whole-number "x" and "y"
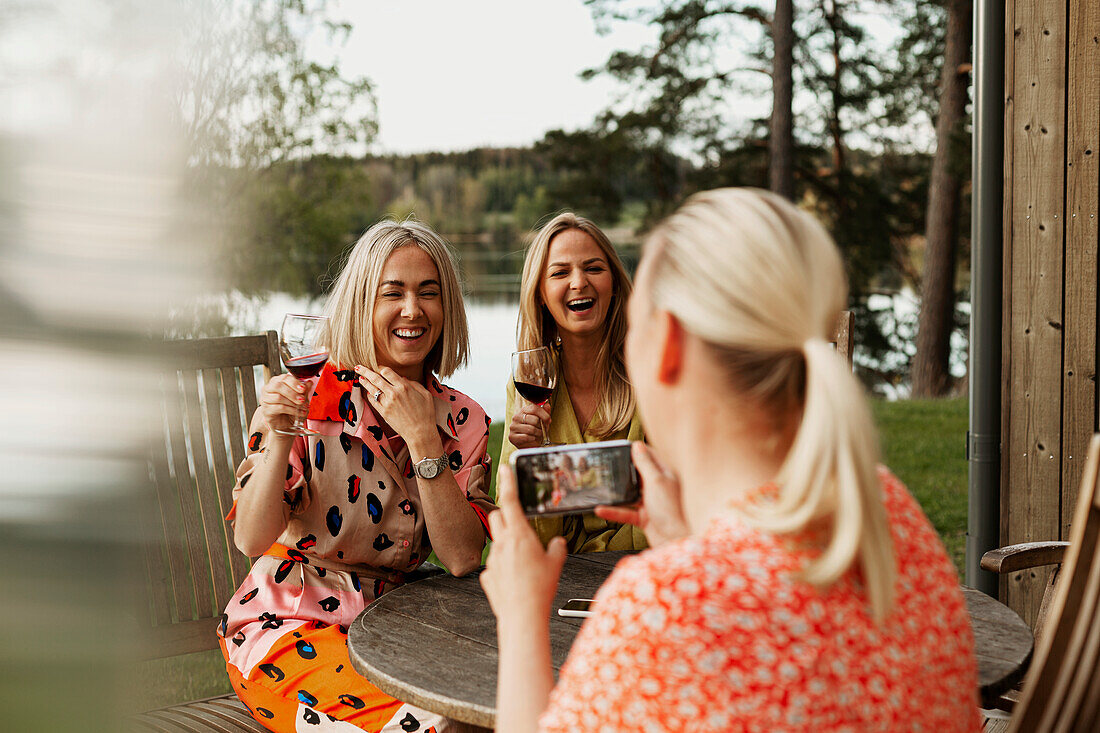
{"x": 92, "y": 252}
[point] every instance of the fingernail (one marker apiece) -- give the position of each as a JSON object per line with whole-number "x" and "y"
{"x": 301, "y": 399}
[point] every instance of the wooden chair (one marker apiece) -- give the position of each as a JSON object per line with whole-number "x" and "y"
{"x": 1062, "y": 689}
{"x": 842, "y": 335}
{"x": 193, "y": 566}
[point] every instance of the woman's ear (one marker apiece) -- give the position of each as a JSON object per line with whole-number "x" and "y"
{"x": 670, "y": 342}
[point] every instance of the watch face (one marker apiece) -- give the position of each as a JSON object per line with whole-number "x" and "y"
{"x": 427, "y": 468}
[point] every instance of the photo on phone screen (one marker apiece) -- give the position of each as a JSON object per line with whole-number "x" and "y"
{"x": 571, "y": 479}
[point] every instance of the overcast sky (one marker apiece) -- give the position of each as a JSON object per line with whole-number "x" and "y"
{"x": 456, "y": 75}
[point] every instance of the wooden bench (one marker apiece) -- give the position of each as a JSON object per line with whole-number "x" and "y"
{"x": 193, "y": 566}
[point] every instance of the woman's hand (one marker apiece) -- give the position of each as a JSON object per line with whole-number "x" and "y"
{"x": 406, "y": 406}
{"x": 526, "y": 428}
{"x": 520, "y": 577}
{"x": 660, "y": 515}
{"x": 282, "y": 399}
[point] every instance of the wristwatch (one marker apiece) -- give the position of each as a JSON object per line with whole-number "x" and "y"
{"x": 429, "y": 468}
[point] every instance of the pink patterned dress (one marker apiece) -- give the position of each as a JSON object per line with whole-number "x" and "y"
{"x": 354, "y": 527}
{"x": 715, "y": 633}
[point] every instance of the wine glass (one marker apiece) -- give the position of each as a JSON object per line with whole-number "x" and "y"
{"x": 304, "y": 353}
{"x": 534, "y": 374}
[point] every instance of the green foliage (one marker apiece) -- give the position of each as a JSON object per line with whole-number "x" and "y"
{"x": 252, "y": 97}
{"x": 294, "y": 218}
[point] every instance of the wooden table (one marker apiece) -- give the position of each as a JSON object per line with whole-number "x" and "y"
{"x": 433, "y": 643}
{"x": 1002, "y": 644}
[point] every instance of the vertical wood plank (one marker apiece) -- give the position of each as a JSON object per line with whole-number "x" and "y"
{"x": 238, "y": 430}
{"x": 171, "y": 536}
{"x": 1006, "y": 275}
{"x": 248, "y": 392}
{"x": 172, "y": 518}
{"x": 1082, "y": 212}
{"x": 211, "y": 527}
{"x": 217, "y": 533}
{"x": 238, "y": 563}
{"x": 273, "y": 367}
{"x": 1034, "y": 447}
{"x": 193, "y": 537}
{"x": 237, "y": 427}
{"x": 842, "y": 335}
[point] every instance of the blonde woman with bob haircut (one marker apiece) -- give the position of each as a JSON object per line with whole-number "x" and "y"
{"x": 573, "y": 297}
{"x": 398, "y": 468}
{"x": 772, "y": 598}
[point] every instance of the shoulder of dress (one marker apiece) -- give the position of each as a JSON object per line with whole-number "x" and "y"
{"x": 459, "y": 402}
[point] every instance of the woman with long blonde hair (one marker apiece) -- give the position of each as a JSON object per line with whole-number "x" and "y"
{"x": 573, "y": 297}
{"x": 772, "y": 598}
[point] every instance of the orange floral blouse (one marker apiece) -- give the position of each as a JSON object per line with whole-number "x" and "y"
{"x": 715, "y": 633}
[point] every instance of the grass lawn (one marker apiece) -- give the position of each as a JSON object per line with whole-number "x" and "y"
{"x": 923, "y": 442}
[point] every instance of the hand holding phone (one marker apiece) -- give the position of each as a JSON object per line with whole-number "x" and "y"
{"x": 572, "y": 479}
{"x": 660, "y": 514}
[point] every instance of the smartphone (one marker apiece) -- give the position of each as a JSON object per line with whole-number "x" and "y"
{"x": 577, "y": 607}
{"x": 572, "y": 479}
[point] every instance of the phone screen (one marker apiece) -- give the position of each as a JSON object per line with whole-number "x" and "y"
{"x": 572, "y": 479}
{"x": 577, "y": 607}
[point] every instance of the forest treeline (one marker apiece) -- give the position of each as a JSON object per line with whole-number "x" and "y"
{"x": 868, "y": 134}
{"x": 293, "y": 220}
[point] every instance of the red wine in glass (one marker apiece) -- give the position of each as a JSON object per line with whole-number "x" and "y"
{"x": 303, "y": 347}
{"x": 307, "y": 367}
{"x": 534, "y": 374}
{"x": 535, "y": 393}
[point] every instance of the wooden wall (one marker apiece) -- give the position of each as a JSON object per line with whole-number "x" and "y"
{"x": 1052, "y": 204}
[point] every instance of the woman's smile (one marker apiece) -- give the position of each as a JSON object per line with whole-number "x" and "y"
{"x": 409, "y": 334}
{"x": 581, "y": 305}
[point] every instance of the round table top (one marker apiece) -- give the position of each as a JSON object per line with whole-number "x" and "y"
{"x": 433, "y": 643}
{"x": 1002, "y": 644}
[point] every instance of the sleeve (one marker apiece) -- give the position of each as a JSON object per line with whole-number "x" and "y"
{"x": 598, "y": 535}
{"x": 616, "y": 676}
{"x": 474, "y": 465}
{"x": 506, "y": 448}
{"x": 296, "y": 488}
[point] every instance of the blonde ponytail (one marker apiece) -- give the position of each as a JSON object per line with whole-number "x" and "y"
{"x": 762, "y": 284}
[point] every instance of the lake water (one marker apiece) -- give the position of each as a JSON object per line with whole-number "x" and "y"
{"x": 493, "y": 337}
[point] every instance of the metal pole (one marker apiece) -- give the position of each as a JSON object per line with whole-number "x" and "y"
{"x": 987, "y": 237}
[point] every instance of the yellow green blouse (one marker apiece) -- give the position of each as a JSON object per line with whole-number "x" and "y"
{"x": 582, "y": 532}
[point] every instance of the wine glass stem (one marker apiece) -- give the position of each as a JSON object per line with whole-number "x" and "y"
{"x": 545, "y": 437}
{"x": 300, "y": 416}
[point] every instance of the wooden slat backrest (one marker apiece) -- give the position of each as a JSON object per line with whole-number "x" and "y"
{"x": 210, "y": 393}
{"x": 1061, "y": 690}
{"x": 842, "y": 335}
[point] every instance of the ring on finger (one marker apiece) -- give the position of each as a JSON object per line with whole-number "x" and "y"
{"x": 377, "y": 395}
